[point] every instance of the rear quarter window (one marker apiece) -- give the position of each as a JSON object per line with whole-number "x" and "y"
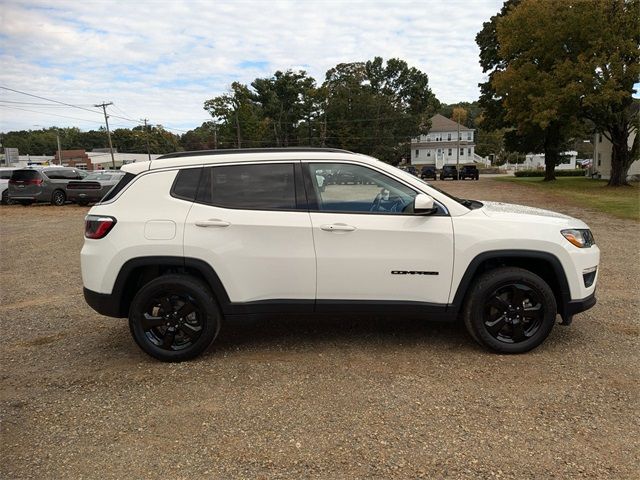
{"x": 118, "y": 187}
{"x": 186, "y": 184}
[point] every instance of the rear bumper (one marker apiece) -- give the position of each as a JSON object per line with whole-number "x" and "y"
{"x": 103, "y": 303}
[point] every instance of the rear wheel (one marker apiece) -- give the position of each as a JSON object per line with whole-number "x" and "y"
{"x": 174, "y": 318}
{"x": 5, "y": 198}
{"x": 510, "y": 310}
{"x": 58, "y": 198}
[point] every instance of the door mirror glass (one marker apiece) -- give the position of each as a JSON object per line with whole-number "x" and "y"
{"x": 424, "y": 205}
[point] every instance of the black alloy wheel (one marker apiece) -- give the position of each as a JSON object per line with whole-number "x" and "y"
{"x": 513, "y": 313}
{"x": 509, "y": 310}
{"x": 58, "y": 198}
{"x": 174, "y": 317}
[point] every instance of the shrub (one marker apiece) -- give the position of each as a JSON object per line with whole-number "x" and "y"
{"x": 559, "y": 173}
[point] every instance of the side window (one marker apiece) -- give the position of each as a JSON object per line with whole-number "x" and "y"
{"x": 252, "y": 187}
{"x": 186, "y": 183}
{"x": 347, "y": 188}
{"x": 53, "y": 174}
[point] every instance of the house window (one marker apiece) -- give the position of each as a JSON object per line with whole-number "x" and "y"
{"x": 469, "y": 135}
{"x": 428, "y": 138}
{"x": 417, "y": 152}
{"x": 462, "y": 152}
{"x": 469, "y": 151}
{"x": 428, "y": 153}
{"x": 599, "y": 139}
{"x": 600, "y": 156}
{"x": 449, "y": 137}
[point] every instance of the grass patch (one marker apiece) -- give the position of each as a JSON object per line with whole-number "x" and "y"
{"x": 622, "y": 202}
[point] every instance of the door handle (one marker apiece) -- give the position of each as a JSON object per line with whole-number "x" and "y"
{"x": 213, "y": 222}
{"x": 338, "y": 227}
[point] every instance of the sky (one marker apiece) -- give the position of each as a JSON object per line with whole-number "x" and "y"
{"x": 161, "y": 60}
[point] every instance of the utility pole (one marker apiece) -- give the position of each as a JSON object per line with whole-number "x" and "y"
{"x": 458, "y": 149}
{"x": 59, "y": 147}
{"x": 146, "y": 136}
{"x": 106, "y": 121}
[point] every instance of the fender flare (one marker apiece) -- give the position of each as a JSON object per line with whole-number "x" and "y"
{"x": 564, "y": 294}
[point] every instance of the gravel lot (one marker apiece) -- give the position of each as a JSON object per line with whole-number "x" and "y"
{"x": 335, "y": 398}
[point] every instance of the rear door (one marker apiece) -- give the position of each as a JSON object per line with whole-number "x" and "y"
{"x": 250, "y": 223}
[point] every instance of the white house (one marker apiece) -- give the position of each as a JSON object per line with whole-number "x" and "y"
{"x": 441, "y": 146}
{"x": 601, "y": 166}
{"x": 534, "y": 161}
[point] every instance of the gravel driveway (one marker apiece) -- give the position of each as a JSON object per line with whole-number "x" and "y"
{"x": 335, "y": 398}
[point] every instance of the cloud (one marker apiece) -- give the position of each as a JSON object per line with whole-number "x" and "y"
{"x": 162, "y": 59}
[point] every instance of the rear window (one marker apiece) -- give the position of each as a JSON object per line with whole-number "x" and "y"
{"x": 251, "y": 187}
{"x": 22, "y": 175}
{"x": 5, "y": 174}
{"x": 118, "y": 187}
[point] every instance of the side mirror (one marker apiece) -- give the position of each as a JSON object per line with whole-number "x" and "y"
{"x": 423, "y": 205}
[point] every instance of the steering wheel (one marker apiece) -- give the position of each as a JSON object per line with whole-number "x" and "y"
{"x": 377, "y": 202}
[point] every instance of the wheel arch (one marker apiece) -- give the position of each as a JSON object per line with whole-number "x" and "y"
{"x": 137, "y": 272}
{"x": 544, "y": 264}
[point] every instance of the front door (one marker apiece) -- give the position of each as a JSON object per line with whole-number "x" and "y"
{"x": 370, "y": 246}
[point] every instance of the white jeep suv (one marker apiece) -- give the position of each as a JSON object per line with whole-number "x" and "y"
{"x": 191, "y": 238}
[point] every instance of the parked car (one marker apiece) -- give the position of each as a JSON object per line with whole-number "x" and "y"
{"x": 449, "y": 171}
{"x": 469, "y": 171}
{"x": 92, "y": 187}
{"x": 410, "y": 169}
{"x": 5, "y": 175}
{"x": 47, "y": 184}
{"x": 429, "y": 171}
{"x": 194, "y": 237}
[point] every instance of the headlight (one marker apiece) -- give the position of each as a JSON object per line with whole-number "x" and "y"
{"x": 581, "y": 238}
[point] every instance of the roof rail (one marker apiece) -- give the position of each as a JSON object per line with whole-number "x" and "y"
{"x": 252, "y": 150}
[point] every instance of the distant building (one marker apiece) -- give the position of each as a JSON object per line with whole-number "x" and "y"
{"x": 535, "y": 161}
{"x": 601, "y": 166}
{"x": 440, "y": 146}
{"x": 98, "y": 160}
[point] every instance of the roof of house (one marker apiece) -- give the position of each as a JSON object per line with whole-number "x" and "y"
{"x": 440, "y": 123}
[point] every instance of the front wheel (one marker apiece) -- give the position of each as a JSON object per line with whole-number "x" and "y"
{"x": 174, "y": 318}
{"x": 510, "y": 310}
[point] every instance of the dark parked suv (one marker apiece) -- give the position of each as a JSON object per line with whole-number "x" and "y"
{"x": 429, "y": 171}
{"x": 449, "y": 171}
{"x": 30, "y": 185}
{"x": 469, "y": 171}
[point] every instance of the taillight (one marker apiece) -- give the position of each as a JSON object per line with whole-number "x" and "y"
{"x": 34, "y": 181}
{"x": 97, "y": 226}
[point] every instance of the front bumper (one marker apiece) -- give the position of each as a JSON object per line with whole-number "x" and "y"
{"x": 577, "y": 306}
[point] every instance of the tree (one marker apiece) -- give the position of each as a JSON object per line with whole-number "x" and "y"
{"x": 237, "y": 116}
{"x": 375, "y": 108}
{"x": 553, "y": 64}
{"x": 605, "y": 72}
{"x": 532, "y": 38}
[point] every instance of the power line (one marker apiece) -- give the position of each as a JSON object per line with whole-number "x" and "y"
{"x": 49, "y": 100}
{"x": 58, "y": 115}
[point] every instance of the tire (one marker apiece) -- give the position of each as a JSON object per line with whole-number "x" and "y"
{"x": 160, "y": 302}
{"x": 58, "y": 198}
{"x": 529, "y": 310}
{"x": 5, "y": 198}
